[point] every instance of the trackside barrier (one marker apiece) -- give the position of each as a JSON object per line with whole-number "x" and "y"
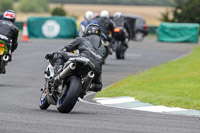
{"x": 152, "y": 29}
{"x": 178, "y": 32}
{"x": 19, "y": 25}
{"x": 52, "y": 27}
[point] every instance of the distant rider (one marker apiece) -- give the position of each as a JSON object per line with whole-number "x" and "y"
{"x": 89, "y": 16}
{"x": 121, "y": 22}
{"x": 90, "y": 47}
{"x": 106, "y": 24}
{"x": 9, "y": 32}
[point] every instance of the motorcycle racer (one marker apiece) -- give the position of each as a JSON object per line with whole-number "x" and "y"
{"x": 90, "y": 47}
{"x": 88, "y": 19}
{"x": 9, "y": 32}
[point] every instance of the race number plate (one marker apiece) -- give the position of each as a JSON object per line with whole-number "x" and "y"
{"x": 2, "y": 50}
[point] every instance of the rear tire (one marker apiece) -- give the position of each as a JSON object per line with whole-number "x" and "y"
{"x": 118, "y": 50}
{"x": 66, "y": 103}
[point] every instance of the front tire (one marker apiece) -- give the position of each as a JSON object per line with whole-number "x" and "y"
{"x": 107, "y": 53}
{"x": 66, "y": 103}
{"x": 43, "y": 101}
{"x": 2, "y": 66}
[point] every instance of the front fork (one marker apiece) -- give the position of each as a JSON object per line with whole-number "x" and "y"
{"x": 48, "y": 90}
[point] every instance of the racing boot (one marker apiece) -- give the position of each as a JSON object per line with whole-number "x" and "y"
{"x": 96, "y": 87}
{"x": 10, "y": 57}
{"x": 82, "y": 94}
{"x": 57, "y": 69}
{"x": 110, "y": 52}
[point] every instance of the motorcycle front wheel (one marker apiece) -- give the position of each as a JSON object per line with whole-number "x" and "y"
{"x": 106, "y": 54}
{"x": 2, "y": 66}
{"x": 73, "y": 87}
{"x": 43, "y": 101}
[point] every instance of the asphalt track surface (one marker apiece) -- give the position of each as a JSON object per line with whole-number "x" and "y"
{"x": 19, "y": 93}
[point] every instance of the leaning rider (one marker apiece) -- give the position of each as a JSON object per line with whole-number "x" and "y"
{"x": 90, "y": 47}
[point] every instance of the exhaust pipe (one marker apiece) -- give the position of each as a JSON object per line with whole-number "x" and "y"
{"x": 88, "y": 80}
{"x": 66, "y": 71}
{"x": 5, "y": 58}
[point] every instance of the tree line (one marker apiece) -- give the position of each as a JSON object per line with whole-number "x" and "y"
{"x": 184, "y": 11}
{"x": 187, "y": 11}
{"x": 117, "y": 2}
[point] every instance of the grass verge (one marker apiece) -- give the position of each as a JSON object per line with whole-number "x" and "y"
{"x": 173, "y": 84}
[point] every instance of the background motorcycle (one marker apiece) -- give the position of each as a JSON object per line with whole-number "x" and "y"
{"x": 106, "y": 45}
{"x": 119, "y": 35}
{"x": 4, "y": 56}
{"x": 75, "y": 79}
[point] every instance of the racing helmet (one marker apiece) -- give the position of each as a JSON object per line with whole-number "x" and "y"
{"x": 9, "y": 15}
{"x": 89, "y": 15}
{"x": 117, "y": 14}
{"x": 104, "y": 13}
{"x": 93, "y": 29}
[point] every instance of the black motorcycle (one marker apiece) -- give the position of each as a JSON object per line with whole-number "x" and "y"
{"x": 74, "y": 80}
{"x": 106, "y": 44}
{"x": 4, "y": 56}
{"x": 120, "y": 45}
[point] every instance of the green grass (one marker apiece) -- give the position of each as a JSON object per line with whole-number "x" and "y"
{"x": 173, "y": 84}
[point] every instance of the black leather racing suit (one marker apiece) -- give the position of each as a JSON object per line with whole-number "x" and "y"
{"x": 89, "y": 47}
{"x": 106, "y": 26}
{"x": 121, "y": 22}
{"x": 9, "y": 34}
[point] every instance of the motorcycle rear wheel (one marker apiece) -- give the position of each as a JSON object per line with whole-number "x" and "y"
{"x": 118, "y": 50}
{"x": 66, "y": 103}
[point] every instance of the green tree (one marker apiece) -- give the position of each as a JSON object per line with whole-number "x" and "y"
{"x": 58, "y": 11}
{"x": 33, "y": 6}
{"x": 191, "y": 12}
{"x": 6, "y": 5}
{"x": 165, "y": 16}
{"x": 185, "y": 11}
